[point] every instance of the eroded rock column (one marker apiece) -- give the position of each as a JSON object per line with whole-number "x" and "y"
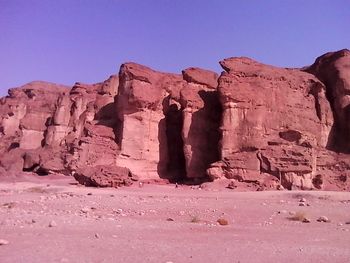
{"x": 230, "y": 123}
{"x": 201, "y": 120}
{"x": 142, "y": 108}
{"x": 59, "y": 129}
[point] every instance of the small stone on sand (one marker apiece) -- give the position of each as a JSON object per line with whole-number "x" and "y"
{"x": 306, "y": 220}
{"x": 52, "y": 224}
{"x": 323, "y": 219}
{"x": 222, "y": 222}
{"x": 3, "y": 242}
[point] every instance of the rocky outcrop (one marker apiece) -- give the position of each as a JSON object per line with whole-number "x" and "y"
{"x": 87, "y": 135}
{"x": 165, "y": 118}
{"x": 26, "y": 111}
{"x": 55, "y": 129}
{"x": 201, "y": 76}
{"x": 25, "y": 114}
{"x": 255, "y": 125}
{"x": 143, "y": 102}
{"x": 272, "y": 120}
{"x": 333, "y": 70}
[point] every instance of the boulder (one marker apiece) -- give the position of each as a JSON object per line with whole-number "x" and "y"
{"x": 96, "y": 147}
{"x": 105, "y": 176}
{"x": 13, "y": 161}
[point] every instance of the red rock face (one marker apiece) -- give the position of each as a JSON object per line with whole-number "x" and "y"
{"x": 25, "y": 114}
{"x": 143, "y": 102}
{"x": 333, "y": 70}
{"x": 49, "y": 128}
{"x": 255, "y": 125}
{"x": 264, "y": 101}
{"x": 166, "y": 120}
{"x": 272, "y": 119}
{"x": 26, "y": 111}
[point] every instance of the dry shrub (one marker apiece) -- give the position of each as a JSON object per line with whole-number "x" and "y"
{"x": 37, "y": 189}
{"x": 195, "y": 219}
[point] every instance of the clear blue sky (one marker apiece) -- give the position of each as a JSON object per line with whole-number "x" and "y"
{"x": 64, "y": 41}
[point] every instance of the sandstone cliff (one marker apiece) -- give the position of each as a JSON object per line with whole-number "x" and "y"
{"x": 255, "y": 125}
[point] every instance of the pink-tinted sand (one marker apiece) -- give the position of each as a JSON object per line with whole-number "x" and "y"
{"x": 161, "y": 223}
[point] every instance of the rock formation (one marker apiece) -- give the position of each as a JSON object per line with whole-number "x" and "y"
{"x": 254, "y": 125}
{"x": 144, "y": 99}
{"x": 273, "y": 120}
{"x": 333, "y": 69}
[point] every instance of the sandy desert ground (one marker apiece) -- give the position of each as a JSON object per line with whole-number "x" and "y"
{"x": 51, "y": 219}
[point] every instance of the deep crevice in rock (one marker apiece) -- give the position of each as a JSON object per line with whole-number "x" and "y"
{"x": 333, "y": 143}
{"x": 176, "y": 166}
{"x": 326, "y": 71}
{"x": 213, "y": 111}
